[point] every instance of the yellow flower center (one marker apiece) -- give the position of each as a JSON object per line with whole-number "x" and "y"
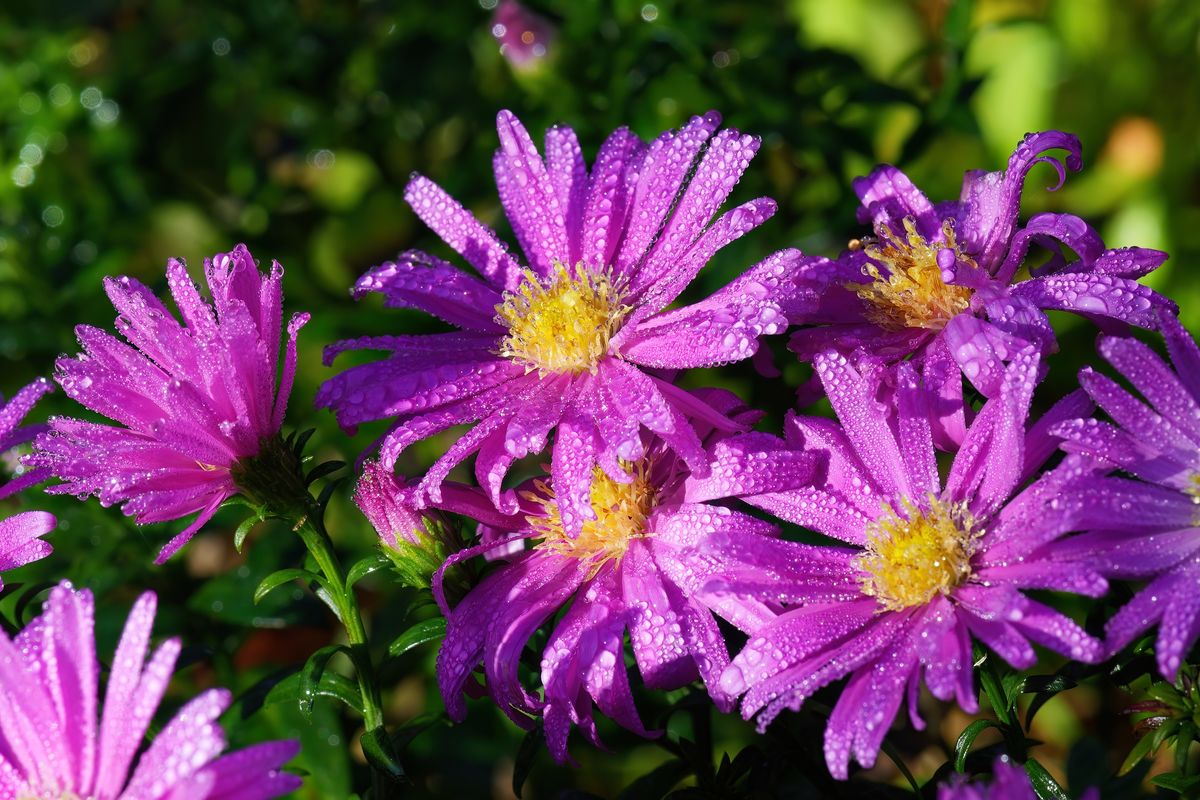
{"x": 1193, "y": 487}
{"x": 917, "y": 553}
{"x": 913, "y": 294}
{"x": 561, "y": 323}
{"x": 621, "y": 509}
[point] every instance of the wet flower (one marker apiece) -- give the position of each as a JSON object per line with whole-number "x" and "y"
{"x": 416, "y": 541}
{"x": 1009, "y": 782}
{"x": 190, "y": 400}
{"x": 635, "y": 567}
{"x": 577, "y": 338}
{"x": 59, "y": 741}
{"x": 948, "y": 283}
{"x": 20, "y": 539}
{"x": 932, "y": 564}
{"x": 524, "y": 36}
{"x": 1149, "y": 528}
{"x": 13, "y": 435}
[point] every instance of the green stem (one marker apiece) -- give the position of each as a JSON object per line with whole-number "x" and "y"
{"x": 320, "y": 546}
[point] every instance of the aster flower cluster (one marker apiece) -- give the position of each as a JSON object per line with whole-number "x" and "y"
{"x": 626, "y": 533}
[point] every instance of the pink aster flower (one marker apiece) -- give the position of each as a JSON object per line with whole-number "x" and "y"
{"x": 932, "y": 564}
{"x": 945, "y": 283}
{"x": 1148, "y": 528}
{"x": 577, "y": 338}
{"x": 20, "y": 539}
{"x": 57, "y": 739}
{"x": 13, "y": 435}
{"x": 191, "y": 401}
{"x": 524, "y": 36}
{"x": 635, "y": 567}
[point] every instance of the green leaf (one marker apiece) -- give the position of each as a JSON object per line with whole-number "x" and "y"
{"x": 301, "y": 440}
{"x": 1139, "y": 752}
{"x": 1183, "y": 743}
{"x": 994, "y": 691}
{"x": 1046, "y": 787}
{"x": 311, "y": 674}
{"x": 531, "y": 745}
{"x": 425, "y": 631}
{"x": 364, "y": 567}
{"x": 381, "y": 755}
{"x": 966, "y": 740}
{"x": 283, "y": 576}
{"x": 410, "y": 730}
{"x": 327, "y": 491}
{"x": 331, "y": 684}
{"x": 321, "y": 470}
{"x": 239, "y": 535}
{"x": 1176, "y": 783}
{"x": 1046, "y": 687}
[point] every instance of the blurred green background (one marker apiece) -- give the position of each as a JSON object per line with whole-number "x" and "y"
{"x": 132, "y": 130}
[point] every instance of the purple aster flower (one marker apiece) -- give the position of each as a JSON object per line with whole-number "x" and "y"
{"x": 1149, "y": 525}
{"x": 577, "y": 338}
{"x": 13, "y": 435}
{"x": 933, "y": 563}
{"x": 191, "y": 401}
{"x": 57, "y": 739}
{"x": 945, "y": 282}
{"x": 524, "y": 36}
{"x": 20, "y": 539}
{"x": 416, "y": 541}
{"x": 1009, "y": 782}
{"x": 635, "y": 567}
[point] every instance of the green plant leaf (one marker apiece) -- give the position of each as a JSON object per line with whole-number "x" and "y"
{"x": 364, "y": 567}
{"x": 425, "y": 631}
{"x": 311, "y": 674}
{"x": 966, "y": 740}
{"x": 381, "y": 755}
{"x": 1043, "y": 783}
{"x": 330, "y": 684}
{"x": 284, "y": 576}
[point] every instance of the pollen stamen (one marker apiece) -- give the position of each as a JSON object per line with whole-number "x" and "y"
{"x": 563, "y": 323}
{"x": 622, "y": 511}
{"x": 913, "y": 293}
{"x": 917, "y": 553}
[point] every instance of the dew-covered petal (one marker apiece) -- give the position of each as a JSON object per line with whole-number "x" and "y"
{"x": 887, "y": 197}
{"x": 458, "y": 228}
{"x": 991, "y": 200}
{"x": 427, "y": 283}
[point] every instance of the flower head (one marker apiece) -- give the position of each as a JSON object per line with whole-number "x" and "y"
{"x": 417, "y": 542}
{"x": 1009, "y": 782}
{"x": 931, "y": 563}
{"x": 575, "y": 340}
{"x": 190, "y": 400}
{"x": 946, "y": 283}
{"x": 524, "y": 36}
{"x": 57, "y": 740}
{"x": 1147, "y": 526}
{"x": 13, "y": 435}
{"x": 636, "y": 567}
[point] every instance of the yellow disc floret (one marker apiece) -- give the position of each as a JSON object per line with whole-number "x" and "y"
{"x": 913, "y": 293}
{"x": 621, "y": 509}
{"x": 561, "y": 323}
{"x": 917, "y": 553}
